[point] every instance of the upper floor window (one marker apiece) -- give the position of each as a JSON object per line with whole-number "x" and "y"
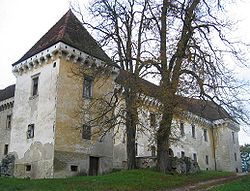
{"x": 153, "y": 153}
{"x": 86, "y": 132}
{"x": 88, "y": 87}
{"x": 193, "y": 131}
{"x": 182, "y": 129}
{"x": 207, "y": 160}
{"x": 235, "y": 156}
{"x": 233, "y": 137}
{"x": 182, "y": 154}
{"x": 6, "y": 149}
{"x": 205, "y": 134}
{"x": 35, "y": 80}
{"x": 152, "y": 120}
{"x": 30, "y": 131}
{"x": 8, "y": 122}
{"x": 195, "y": 157}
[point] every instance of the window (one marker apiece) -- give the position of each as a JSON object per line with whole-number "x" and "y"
{"x": 195, "y": 157}
{"x": 86, "y": 132}
{"x": 207, "y": 160}
{"x": 8, "y": 122}
{"x": 205, "y": 135}
{"x": 233, "y": 137}
{"x": 73, "y": 168}
{"x": 182, "y": 129}
{"x": 30, "y": 131}
{"x": 235, "y": 156}
{"x": 28, "y": 167}
{"x": 182, "y": 154}
{"x": 35, "y": 85}
{"x": 152, "y": 120}
{"x": 87, "y": 87}
{"x": 6, "y": 149}
{"x": 193, "y": 131}
{"x": 153, "y": 151}
{"x": 136, "y": 149}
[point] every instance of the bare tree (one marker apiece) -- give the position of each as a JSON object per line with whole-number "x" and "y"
{"x": 121, "y": 30}
{"x": 191, "y": 60}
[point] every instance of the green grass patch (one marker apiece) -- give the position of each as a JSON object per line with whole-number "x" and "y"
{"x": 122, "y": 180}
{"x": 242, "y": 184}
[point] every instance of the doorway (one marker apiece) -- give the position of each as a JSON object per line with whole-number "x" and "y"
{"x": 93, "y": 166}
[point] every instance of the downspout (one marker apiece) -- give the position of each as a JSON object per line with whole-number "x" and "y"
{"x": 214, "y": 149}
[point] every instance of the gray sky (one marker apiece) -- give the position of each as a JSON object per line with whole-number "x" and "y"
{"x": 24, "y": 22}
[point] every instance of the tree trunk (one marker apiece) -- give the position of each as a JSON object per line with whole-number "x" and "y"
{"x": 163, "y": 137}
{"x": 131, "y": 121}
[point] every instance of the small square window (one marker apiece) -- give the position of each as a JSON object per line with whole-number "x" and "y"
{"x": 87, "y": 87}
{"x": 28, "y": 168}
{"x": 30, "y": 131}
{"x": 73, "y": 168}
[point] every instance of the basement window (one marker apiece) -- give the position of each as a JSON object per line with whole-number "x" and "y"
{"x": 73, "y": 168}
{"x": 28, "y": 168}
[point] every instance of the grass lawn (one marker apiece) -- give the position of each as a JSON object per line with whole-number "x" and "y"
{"x": 123, "y": 180}
{"x": 242, "y": 184}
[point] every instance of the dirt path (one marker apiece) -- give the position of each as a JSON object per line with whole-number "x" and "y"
{"x": 204, "y": 186}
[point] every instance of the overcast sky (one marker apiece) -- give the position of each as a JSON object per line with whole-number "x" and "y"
{"x": 24, "y": 22}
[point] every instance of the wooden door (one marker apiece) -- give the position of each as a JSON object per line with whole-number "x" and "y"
{"x": 93, "y": 166}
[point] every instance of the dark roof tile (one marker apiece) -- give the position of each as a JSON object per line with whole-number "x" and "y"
{"x": 7, "y": 93}
{"x": 70, "y": 31}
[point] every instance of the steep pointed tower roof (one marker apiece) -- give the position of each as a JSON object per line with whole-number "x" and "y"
{"x": 70, "y": 31}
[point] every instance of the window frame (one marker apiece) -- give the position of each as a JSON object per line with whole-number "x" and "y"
{"x": 35, "y": 85}
{"x": 205, "y": 135}
{"x": 6, "y": 149}
{"x": 31, "y": 131}
{"x": 8, "y": 121}
{"x": 193, "y": 131}
{"x": 182, "y": 130}
{"x": 88, "y": 84}
{"x": 86, "y": 132}
{"x": 207, "y": 159}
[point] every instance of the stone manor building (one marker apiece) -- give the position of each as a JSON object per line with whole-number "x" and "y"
{"x": 39, "y": 115}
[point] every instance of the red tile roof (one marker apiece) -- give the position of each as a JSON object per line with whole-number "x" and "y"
{"x": 70, "y": 31}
